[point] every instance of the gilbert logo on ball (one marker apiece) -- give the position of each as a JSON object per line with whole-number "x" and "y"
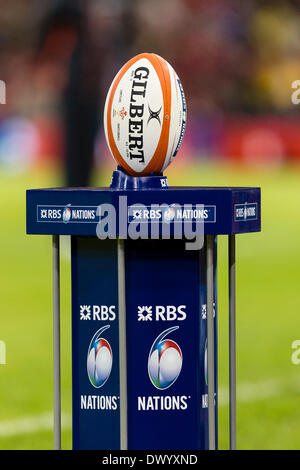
{"x": 145, "y": 115}
{"x": 99, "y": 359}
{"x": 165, "y": 361}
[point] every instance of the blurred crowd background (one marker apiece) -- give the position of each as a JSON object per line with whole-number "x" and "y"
{"x": 236, "y": 60}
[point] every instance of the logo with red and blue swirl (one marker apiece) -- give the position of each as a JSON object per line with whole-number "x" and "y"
{"x": 165, "y": 360}
{"x": 67, "y": 214}
{"x": 99, "y": 359}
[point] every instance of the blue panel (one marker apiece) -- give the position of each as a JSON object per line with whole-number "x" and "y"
{"x": 246, "y": 208}
{"x": 166, "y": 330}
{"x": 96, "y": 412}
{"x": 68, "y": 211}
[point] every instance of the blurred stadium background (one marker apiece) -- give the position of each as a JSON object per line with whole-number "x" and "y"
{"x": 237, "y": 62}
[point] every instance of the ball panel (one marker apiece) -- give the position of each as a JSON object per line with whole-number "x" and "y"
{"x": 173, "y": 119}
{"x": 121, "y": 120}
{"x": 170, "y": 366}
{"x": 163, "y": 73}
{"x": 153, "y": 365}
{"x": 107, "y": 121}
{"x": 91, "y": 362}
{"x": 105, "y": 118}
{"x": 178, "y": 118}
{"x": 182, "y": 116}
{"x": 103, "y": 365}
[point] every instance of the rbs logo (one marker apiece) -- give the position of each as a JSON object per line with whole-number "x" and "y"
{"x": 170, "y": 312}
{"x": 98, "y": 312}
{"x": 50, "y": 214}
{"x": 161, "y": 312}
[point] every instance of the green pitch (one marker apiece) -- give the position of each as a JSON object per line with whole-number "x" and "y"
{"x": 268, "y": 306}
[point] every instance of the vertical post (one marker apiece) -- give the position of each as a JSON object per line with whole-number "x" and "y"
{"x": 210, "y": 341}
{"x": 56, "y": 344}
{"x": 232, "y": 342}
{"x": 122, "y": 346}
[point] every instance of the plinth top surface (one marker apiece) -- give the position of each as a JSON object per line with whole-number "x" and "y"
{"x": 170, "y": 188}
{"x": 78, "y": 211}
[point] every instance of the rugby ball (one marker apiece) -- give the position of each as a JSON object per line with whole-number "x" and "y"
{"x": 145, "y": 115}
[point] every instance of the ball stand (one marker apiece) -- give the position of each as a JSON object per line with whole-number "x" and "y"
{"x": 144, "y": 310}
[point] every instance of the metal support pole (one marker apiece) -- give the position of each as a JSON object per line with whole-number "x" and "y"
{"x": 210, "y": 341}
{"x": 122, "y": 346}
{"x": 232, "y": 342}
{"x": 56, "y": 344}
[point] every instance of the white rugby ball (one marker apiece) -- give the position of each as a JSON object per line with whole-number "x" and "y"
{"x": 145, "y": 115}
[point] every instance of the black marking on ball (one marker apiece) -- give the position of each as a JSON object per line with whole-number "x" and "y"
{"x": 154, "y": 115}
